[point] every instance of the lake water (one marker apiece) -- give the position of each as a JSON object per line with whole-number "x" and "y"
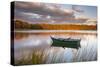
{"x": 28, "y": 41}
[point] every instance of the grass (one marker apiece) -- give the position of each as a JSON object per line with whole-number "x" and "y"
{"x": 40, "y": 56}
{"x": 86, "y": 53}
{"x": 37, "y": 57}
{"x": 56, "y": 55}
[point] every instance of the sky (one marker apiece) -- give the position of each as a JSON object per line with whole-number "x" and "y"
{"x": 36, "y": 12}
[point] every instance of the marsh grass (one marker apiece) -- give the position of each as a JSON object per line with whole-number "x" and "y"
{"x": 36, "y": 57}
{"x": 56, "y": 55}
{"x": 42, "y": 56}
{"x": 87, "y": 53}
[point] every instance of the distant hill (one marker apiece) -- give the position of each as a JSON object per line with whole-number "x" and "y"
{"x": 25, "y": 25}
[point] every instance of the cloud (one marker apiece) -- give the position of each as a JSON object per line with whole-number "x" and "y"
{"x": 77, "y": 9}
{"x": 45, "y": 12}
{"x": 42, "y": 9}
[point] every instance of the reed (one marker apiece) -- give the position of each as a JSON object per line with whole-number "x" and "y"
{"x": 56, "y": 55}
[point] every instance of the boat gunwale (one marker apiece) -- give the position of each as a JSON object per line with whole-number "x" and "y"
{"x": 65, "y": 40}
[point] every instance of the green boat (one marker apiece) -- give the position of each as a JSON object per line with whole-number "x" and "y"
{"x": 68, "y": 42}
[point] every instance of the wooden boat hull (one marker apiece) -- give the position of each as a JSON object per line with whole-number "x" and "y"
{"x": 68, "y": 43}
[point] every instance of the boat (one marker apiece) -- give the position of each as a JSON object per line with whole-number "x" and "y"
{"x": 66, "y": 43}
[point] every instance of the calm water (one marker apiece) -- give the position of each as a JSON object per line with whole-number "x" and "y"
{"x": 24, "y": 43}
